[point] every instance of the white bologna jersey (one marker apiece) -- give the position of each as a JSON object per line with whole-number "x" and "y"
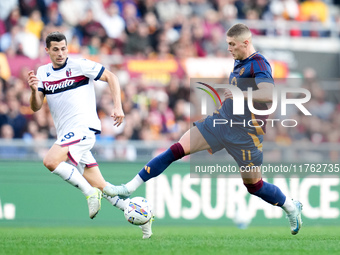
{"x": 70, "y": 93}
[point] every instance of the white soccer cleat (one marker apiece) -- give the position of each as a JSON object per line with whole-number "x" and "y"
{"x": 295, "y": 218}
{"x": 94, "y": 202}
{"x": 146, "y": 228}
{"x": 120, "y": 191}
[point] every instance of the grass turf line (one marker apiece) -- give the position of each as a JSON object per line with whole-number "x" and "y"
{"x": 169, "y": 240}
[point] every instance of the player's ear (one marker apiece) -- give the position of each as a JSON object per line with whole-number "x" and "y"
{"x": 246, "y": 42}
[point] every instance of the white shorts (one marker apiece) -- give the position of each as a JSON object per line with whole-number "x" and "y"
{"x": 79, "y": 142}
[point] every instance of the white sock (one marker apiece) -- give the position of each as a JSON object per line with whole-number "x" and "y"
{"x": 71, "y": 174}
{"x": 288, "y": 206}
{"x": 117, "y": 202}
{"x": 134, "y": 183}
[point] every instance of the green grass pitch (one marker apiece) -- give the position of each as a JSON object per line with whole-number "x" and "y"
{"x": 169, "y": 240}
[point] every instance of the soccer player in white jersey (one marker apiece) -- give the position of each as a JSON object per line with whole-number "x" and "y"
{"x": 68, "y": 85}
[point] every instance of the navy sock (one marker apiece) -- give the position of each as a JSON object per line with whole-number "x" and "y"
{"x": 157, "y": 165}
{"x": 268, "y": 192}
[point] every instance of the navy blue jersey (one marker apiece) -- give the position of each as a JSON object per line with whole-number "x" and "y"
{"x": 248, "y": 73}
{"x": 243, "y": 142}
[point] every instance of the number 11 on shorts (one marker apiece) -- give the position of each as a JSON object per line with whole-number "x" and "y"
{"x": 244, "y": 154}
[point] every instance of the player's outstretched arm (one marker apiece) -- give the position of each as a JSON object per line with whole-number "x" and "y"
{"x": 37, "y": 97}
{"x": 117, "y": 112}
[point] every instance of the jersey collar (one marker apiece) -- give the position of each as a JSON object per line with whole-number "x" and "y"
{"x": 245, "y": 60}
{"x": 56, "y": 69}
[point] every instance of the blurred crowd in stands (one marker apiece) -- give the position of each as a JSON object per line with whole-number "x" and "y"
{"x": 157, "y": 29}
{"x": 148, "y": 27}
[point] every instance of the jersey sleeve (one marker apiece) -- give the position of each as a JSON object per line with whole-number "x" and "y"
{"x": 91, "y": 69}
{"x": 262, "y": 71}
{"x": 40, "y": 84}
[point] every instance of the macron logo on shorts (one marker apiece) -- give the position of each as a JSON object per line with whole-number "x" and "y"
{"x": 54, "y": 87}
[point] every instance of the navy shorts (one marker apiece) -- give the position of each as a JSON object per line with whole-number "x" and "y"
{"x": 243, "y": 146}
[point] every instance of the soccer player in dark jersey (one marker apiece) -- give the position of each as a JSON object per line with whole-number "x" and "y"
{"x": 251, "y": 69}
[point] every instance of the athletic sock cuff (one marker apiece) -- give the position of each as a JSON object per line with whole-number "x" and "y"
{"x": 177, "y": 151}
{"x": 252, "y": 188}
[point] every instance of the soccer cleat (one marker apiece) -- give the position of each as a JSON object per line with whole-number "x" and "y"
{"x": 146, "y": 228}
{"x": 94, "y": 202}
{"x": 295, "y": 218}
{"x": 120, "y": 191}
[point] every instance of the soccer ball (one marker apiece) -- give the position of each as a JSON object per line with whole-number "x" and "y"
{"x": 241, "y": 219}
{"x": 138, "y": 211}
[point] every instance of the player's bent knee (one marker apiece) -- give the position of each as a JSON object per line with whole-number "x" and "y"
{"x": 50, "y": 164}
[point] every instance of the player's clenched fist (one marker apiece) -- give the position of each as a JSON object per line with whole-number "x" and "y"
{"x": 32, "y": 81}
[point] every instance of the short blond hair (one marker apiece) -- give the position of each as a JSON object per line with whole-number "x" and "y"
{"x": 239, "y": 31}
